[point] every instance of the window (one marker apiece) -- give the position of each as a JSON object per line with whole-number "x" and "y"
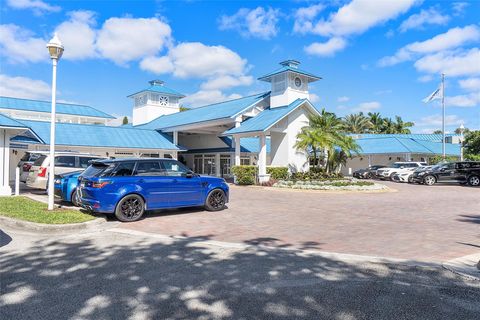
{"x": 174, "y": 168}
{"x": 84, "y": 161}
{"x": 149, "y": 168}
{"x": 65, "y": 161}
{"x": 123, "y": 169}
{"x": 155, "y": 97}
{"x": 40, "y": 160}
{"x": 244, "y": 161}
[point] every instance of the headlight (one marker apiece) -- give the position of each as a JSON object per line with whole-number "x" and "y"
{"x": 421, "y": 173}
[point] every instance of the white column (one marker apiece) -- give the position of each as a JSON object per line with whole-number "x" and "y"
{"x": 237, "y": 150}
{"x": 5, "y": 189}
{"x": 175, "y": 137}
{"x": 218, "y": 172}
{"x": 51, "y": 171}
{"x": 262, "y": 160}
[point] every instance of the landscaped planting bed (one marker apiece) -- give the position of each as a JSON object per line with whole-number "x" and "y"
{"x": 348, "y": 184}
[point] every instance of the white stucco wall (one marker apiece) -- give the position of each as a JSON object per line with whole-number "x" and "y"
{"x": 200, "y": 141}
{"x": 361, "y": 162}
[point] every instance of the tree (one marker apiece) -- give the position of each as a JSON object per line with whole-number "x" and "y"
{"x": 356, "y": 123}
{"x": 472, "y": 145}
{"x": 437, "y": 132}
{"x": 459, "y": 131}
{"x": 125, "y": 120}
{"x": 401, "y": 126}
{"x": 377, "y": 122}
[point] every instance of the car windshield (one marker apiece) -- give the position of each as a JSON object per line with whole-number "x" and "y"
{"x": 398, "y": 165}
{"x": 40, "y": 160}
{"x": 98, "y": 169}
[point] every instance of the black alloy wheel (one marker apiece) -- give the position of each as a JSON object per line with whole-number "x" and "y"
{"x": 215, "y": 200}
{"x": 130, "y": 208}
{"x": 474, "y": 181}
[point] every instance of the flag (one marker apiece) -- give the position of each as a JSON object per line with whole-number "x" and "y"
{"x": 437, "y": 94}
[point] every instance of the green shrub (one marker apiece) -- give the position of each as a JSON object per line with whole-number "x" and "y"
{"x": 316, "y": 174}
{"x": 436, "y": 159}
{"x": 278, "y": 173}
{"x": 245, "y": 175}
{"x": 472, "y": 157}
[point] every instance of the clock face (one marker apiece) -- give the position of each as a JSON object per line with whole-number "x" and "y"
{"x": 298, "y": 82}
{"x": 163, "y": 101}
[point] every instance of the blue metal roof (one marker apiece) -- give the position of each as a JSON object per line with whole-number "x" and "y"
{"x": 265, "y": 119}
{"x": 389, "y": 145}
{"x": 9, "y": 122}
{"x": 222, "y": 110}
{"x": 157, "y": 86}
{"x": 248, "y": 144}
{"x": 101, "y": 136}
{"x": 289, "y": 65}
{"x": 420, "y": 136}
{"x": 46, "y": 106}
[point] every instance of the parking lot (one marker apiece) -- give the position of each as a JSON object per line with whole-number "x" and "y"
{"x": 434, "y": 223}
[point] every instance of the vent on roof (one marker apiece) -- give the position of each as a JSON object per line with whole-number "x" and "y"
{"x": 156, "y": 83}
{"x": 290, "y": 63}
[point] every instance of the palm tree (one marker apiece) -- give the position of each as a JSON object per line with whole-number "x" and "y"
{"x": 377, "y": 122}
{"x": 356, "y": 123}
{"x": 307, "y": 141}
{"x": 345, "y": 149}
{"x": 388, "y": 126}
{"x": 401, "y": 126}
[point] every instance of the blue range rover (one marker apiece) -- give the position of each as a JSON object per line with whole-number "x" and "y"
{"x": 129, "y": 187}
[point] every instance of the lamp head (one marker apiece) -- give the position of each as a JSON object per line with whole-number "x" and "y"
{"x": 55, "y": 47}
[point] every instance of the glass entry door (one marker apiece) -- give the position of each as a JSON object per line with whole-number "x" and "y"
{"x": 225, "y": 163}
{"x": 198, "y": 164}
{"x": 209, "y": 164}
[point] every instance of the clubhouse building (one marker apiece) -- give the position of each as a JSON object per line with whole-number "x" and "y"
{"x": 260, "y": 129}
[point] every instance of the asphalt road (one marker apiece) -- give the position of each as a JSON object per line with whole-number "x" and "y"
{"x": 113, "y": 275}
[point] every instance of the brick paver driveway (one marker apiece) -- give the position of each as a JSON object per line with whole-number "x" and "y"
{"x": 435, "y": 223}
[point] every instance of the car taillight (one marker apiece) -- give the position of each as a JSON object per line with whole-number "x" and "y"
{"x": 42, "y": 172}
{"x": 100, "y": 185}
{"x": 26, "y": 166}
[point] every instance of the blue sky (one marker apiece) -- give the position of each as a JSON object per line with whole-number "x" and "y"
{"x": 373, "y": 56}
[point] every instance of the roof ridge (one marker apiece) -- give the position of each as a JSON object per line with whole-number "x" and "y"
{"x": 87, "y": 124}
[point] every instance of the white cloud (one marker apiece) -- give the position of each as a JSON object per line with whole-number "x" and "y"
{"x": 257, "y": 23}
{"x": 459, "y": 8}
{"x": 205, "y": 97}
{"x": 226, "y": 81}
{"x": 78, "y": 35}
{"x": 464, "y": 100}
{"x": 470, "y": 84}
{"x": 356, "y": 17}
{"x": 126, "y": 39}
{"x": 424, "y": 17}
{"x": 326, "y": 49}
{"x": 343, "y": 99}
{"x": 453, "y": 38}
{"x": 456, "y": 63}
{"x": 304, "y": 16}
{"x": 196, "y": 60}
{"x": 425, "y": 78}
{"x": 22, "y": 87}
{"x": 436, "y": 121}
{"x": 367, "y": 106}
{"x": 19, "y": 45}
{"x": 314, "y": 98}
{"x": 38, "y": 6}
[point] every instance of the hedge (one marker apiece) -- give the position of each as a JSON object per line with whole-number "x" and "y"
{"x": 245, "y": 174}
{"x": 278, "y": 173}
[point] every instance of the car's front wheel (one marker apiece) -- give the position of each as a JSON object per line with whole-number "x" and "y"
{"x": 410, "y": 179}
{"x": 215, "y": 200}
{"x": 74, "y": 198}
{"x": 429, "y": 180}
{"x": 474, "y": 181}
{"x": 130, "y": 208}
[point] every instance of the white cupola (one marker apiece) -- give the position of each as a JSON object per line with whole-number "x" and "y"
{"x": 289, "y": 83}
{"x": 153, "y": 102}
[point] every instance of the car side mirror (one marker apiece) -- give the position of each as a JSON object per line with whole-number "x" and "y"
{"x": 189, "y": 175}
{"x": 442, "y": 169}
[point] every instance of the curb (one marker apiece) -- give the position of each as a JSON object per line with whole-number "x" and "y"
{"x": 465, "y": 266}
{"x": 33, "y": 226}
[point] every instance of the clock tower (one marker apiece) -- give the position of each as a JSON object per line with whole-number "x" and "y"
{"x": 155, "y": 101}
{"x": 289, "y": 83}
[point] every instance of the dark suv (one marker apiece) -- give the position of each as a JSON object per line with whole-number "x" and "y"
{"x": 367, "y": 173}
{"x": 460, "y": 172}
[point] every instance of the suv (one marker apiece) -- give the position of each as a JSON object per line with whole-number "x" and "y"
{"x": 128, "y": 187}
{"x": 367, "y": 173}
{"x": 64, "y": 162}
{"x": 460, "y": 172}
{"x": 26, "y": 162}
{"x": 397, "y": 167}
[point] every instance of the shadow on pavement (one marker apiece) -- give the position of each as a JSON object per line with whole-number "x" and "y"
{"x": 118, "y": 276}
{"x": 4, "y": 239}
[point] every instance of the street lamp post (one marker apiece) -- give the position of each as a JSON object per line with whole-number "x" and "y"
{"x": 462, "y": 130}
{"x": 55, "y": 49}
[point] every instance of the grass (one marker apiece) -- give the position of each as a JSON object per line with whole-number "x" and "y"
{"x": 23, "y": 208}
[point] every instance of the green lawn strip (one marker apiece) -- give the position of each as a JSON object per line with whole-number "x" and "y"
{"x": 23, "y": 208}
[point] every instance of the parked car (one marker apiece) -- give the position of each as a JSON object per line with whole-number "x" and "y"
{"x": 129, "y": 187}
{"x": 388, "y": 172}
{"x": 367, "y": 173}
{"x": 459, "y": 172}
{"x": 66, "y": 187}
{"x": 26, "y": 163}
{"x": 406, "y": 175}
{"x": 64, "y": 162}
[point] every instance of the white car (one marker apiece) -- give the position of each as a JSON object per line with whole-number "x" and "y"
{"x": 404, "y": 175}
{"x": 397, "y": 167}
{"x": 64, "y": 162}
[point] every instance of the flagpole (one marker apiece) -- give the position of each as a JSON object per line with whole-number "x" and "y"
{"x": 443, "y": 118}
